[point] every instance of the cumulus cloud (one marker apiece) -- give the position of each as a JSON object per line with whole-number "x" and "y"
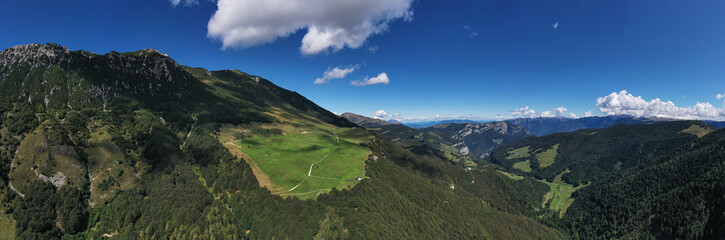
{"x": 380, "y": 79}
{"x": 381, "y": 113}
{"x": 330, "y": 24}
{"x": 625, "y": 103}
{"x": 555, "y": 25}
{"x": 524, "y": 112}
{"x": 186, "y": 2}
{"x": 472, "y": 32}
{"x": 335, "y": 73}
{"x": 720, "y": 96}
{"x": 588, "y": 114}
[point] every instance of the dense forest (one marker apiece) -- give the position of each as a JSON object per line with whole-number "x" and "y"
{"x": 678, "y": 196}
{"x": 587, "y": 154}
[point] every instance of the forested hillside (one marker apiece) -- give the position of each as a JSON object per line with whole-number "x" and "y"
{"x": 678, "y": 196}
{"x": 135, "y": 146}
{"x": 549, "y": 125}
{"x": 584, "y": 155}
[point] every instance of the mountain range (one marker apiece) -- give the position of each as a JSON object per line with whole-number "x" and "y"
{"x": 136, "y": 146}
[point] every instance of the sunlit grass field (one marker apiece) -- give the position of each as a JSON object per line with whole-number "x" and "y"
{"x": 303, "y": 158}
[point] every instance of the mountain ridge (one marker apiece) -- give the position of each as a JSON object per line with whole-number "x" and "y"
{"x": 152, "y": 159}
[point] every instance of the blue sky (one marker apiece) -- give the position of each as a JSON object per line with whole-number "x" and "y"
{"x": 454, "y": 58}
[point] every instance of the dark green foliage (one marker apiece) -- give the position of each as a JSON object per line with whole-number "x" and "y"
{"x": 204, "y": 148}
{"x": 44, "y": 211}
{"x": 680, "y": 195}
{"x": 72, "y": 209}
{"x": 35, "y": 213}
{"x": 331, "y": 227}
{"x": 594, "y": 152}
{"x": 21, "y": 119}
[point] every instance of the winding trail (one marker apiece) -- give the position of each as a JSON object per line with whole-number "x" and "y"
{"x": 313, "y": 191}
{"x": 309, "y": 173}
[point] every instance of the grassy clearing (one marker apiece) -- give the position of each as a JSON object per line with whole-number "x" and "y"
{"x": 697, "y": 131}
{"x": 7, "y": 227}
{"x": 302, "y": 158}
{"x": 546, "y": 158}
{"x": 559, "y": 196}
{"x": 523, "y": 166}
{"x": 511, "y": 175}
{"x": 38, "y": 156}
{"x": 521, "y": 152}
{"x": 109, "y": 169}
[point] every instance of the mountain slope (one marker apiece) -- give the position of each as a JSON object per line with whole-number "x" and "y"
{"x": 463, "y": 144}
{"x": 142, "y": 147}
{"x": 477, "y": 139}
{"x": 586, "y": 154}
{"x": 680, "y": 195}
{"x": 546, "y": 126}
{"x": 363, "y": 121}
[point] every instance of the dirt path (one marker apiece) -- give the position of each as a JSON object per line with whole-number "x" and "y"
{"x": 313, "y": 191}
{"x": 328, "y": 154}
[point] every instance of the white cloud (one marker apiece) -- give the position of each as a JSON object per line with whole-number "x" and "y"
{"x": 395, "y": 116}
{"x": 555, "y": 25}
{"x": 381, "y": 113}
{"x": 335, "y": 73}
{"x": 186, "y": 2}
{"x": 720, "y": 96}
{"x": 524, "y": 112}
{"x": 588, "y": 114}
{"x": 626, "y": 103}
{"x": 330, "y": 24}
{"x": 472, "y": 32}
{"x": 380, "y": 79}
{"x": 374, "y": 49}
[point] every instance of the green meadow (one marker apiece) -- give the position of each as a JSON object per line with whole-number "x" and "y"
{"x": 546, "y": 158}
{"x": 559, "y": 196}
{"x": 524, "y": 166}
{"x": 304, "y": 159}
